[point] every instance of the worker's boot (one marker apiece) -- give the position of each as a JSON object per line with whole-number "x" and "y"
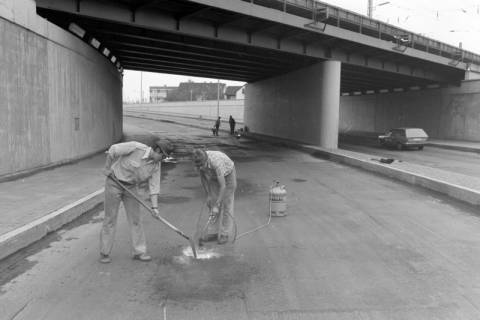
{"x": 105, "y": 258}
{"x": 142, "y": 257}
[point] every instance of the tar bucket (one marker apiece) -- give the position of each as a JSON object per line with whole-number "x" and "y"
{"x": 278, "y": 196}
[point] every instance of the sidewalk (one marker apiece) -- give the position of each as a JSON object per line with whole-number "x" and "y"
{"x": 35, "y": 205}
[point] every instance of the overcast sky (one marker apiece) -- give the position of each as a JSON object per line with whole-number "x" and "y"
{"x": 449, "y": 21}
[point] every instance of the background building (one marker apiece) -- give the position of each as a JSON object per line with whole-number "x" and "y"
{"x": 159, "y": 94}
{"x": 197, "y": 91}
{"x": 235, "y": 93}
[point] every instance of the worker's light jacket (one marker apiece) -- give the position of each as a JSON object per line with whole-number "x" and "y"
{"x": 132, "y": 164}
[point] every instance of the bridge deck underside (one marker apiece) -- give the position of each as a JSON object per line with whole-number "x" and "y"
{"x": 139, "y": 47}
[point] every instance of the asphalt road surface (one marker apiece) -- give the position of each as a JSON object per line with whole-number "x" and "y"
{"x": 353, "y": 246}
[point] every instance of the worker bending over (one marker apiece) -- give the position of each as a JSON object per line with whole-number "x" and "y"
{"x": 131, "y": 163}
{"x": 218, "y": 178}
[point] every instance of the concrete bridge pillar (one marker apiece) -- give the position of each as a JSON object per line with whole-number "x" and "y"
{"x": 329, "y": 104}
{"x": 301, "y": 106}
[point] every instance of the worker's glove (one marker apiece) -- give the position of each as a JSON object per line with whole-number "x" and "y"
{"x": 155, "y": 213}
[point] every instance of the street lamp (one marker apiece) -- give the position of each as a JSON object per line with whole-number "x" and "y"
{"x": 371, "y": 7}
{"x": 141, "y": 87}
{"x": 218, "y": 98}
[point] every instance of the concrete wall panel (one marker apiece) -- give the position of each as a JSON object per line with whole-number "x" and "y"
{"x": 24, "y": 100}
{"x": 203, "y": 109}
{"x": 444, "y": 113}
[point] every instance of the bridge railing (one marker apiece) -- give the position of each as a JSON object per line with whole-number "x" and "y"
{"x": 342, "y": 18}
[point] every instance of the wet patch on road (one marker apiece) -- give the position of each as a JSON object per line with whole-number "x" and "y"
{"x": 18, "y": 263}
{"x": 182, "y": 278}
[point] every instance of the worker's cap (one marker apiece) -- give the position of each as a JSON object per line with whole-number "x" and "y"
{"x": 199, "y": 157}
{"x": 165, "y": 147}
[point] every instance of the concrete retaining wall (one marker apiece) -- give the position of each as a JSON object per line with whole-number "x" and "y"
{"x": 446, "y": 113}
{"x": 60, "y": 99}
{"x": 206, "y": 109}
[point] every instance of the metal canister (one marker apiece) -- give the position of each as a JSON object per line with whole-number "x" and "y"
{"x": 278, "y": 197}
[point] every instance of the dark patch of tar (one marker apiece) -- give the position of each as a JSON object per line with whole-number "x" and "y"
{"x": 299, "y": 180}
{"x": 245, "y": 188}
{"x": 213, "y": 279}
{"x": 321, "y": 155}
{"x": 191, "y": 187}
{"x": 191, "y": 175}
{"x": 17, "y": 263}
{"x": 173, "y": 199}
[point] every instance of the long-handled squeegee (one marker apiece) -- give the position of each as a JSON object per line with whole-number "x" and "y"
{"x": 168, "y": 224}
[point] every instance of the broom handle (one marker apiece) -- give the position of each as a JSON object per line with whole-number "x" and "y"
{"x": 168, "y": 224}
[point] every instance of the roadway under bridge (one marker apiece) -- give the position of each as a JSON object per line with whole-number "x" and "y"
{"x": 312, "y": 70}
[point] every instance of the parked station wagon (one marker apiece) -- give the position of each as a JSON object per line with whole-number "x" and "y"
{"x": 404, "y": 138}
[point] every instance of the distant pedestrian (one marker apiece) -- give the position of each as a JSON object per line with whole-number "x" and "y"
{"x": 232, "y": 125}
{"x": 217, "y": 126}
{"x": 131, "y": 163}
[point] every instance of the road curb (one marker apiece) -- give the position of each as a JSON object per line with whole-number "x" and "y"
{"x": 22, "y": 237}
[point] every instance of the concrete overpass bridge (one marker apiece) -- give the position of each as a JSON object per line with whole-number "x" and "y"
{"x": 313, "y": 69}
{"x": 258, "y": 39}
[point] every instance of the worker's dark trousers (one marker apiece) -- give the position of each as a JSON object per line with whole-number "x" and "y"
{"x": 114, "y": 194}
{"x": 223, "y": 223}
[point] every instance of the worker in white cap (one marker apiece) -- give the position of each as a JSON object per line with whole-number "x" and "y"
{"x": 218, "y": 178}
{"x": 131, "y": 163}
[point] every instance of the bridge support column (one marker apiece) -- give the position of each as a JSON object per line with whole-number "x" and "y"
{"x": 301, "y": 106}
{"x": 329, "y": 104}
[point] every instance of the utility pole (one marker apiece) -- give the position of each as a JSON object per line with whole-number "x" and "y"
{"x": 371, "y": 7}
{"x": 218, "y": 98}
